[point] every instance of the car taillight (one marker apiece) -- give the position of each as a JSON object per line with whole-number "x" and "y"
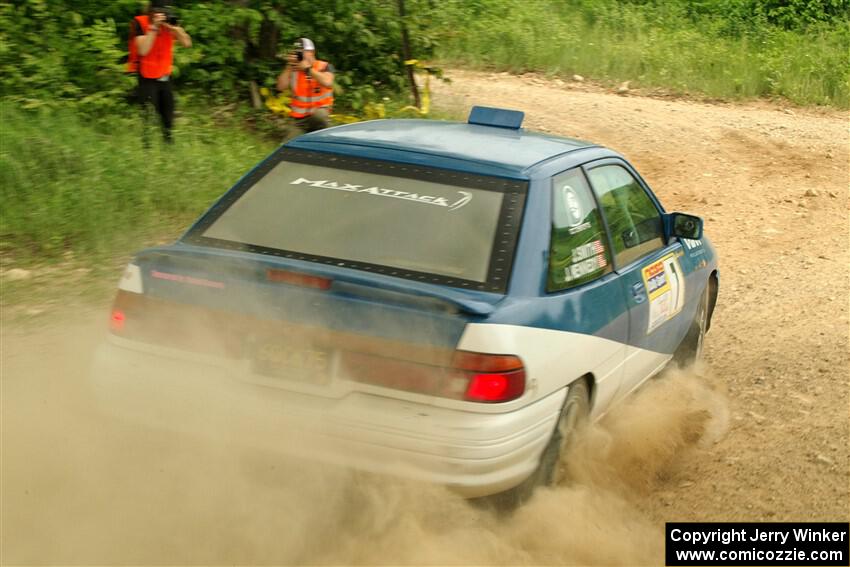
{"x": 496, "y": 387}
{"x": 474, "y": 377}
{"x": 116, "y": 320}
{"x": 492, "y": 377}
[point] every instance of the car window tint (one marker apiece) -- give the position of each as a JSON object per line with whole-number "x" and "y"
{"x": 633, "y": 219}
{"x": 578, "y": 251}
{"x": 382, "y": 220}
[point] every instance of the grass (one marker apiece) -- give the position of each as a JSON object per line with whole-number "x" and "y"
{"x": 72, "y": 186}
{"x": 78, "y": 196}
{"x": 656, "y": 45}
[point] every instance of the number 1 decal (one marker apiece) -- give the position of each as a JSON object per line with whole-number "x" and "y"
{"x": 665, "y": 285}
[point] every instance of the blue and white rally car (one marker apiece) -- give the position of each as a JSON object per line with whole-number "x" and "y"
{"x": 441, "y": 301}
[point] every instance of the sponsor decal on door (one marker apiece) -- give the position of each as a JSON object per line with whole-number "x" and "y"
{"x": 665, "y": 286}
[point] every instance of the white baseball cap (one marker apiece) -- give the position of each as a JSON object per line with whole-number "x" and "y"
{"x": 305, "y": 44}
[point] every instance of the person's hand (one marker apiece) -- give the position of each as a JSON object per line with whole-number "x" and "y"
{"x": 165, "y": 26}
{"x": 292, "y": 60}
{"x": 158, "y": 20}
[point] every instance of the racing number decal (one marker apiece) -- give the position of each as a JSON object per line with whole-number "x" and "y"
{"x": 665, "y": 286}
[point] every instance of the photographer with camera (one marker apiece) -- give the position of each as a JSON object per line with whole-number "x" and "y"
{"x": 311, "y": 82}
{"x": 152, "y": 38}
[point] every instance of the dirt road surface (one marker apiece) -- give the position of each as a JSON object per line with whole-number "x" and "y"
{"x": 771, "y": 182}
{"x": 762, "y": 435}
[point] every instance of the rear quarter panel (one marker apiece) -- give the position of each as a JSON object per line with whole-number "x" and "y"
{"x": 562, "y": 336}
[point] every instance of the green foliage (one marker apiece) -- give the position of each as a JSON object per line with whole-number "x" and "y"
{"x": 64, "y": 52}
{"x": 49, "y": 55}
{"x": 745, "y": 15}
{"x": 69, "y": 183}
{"x": 361, "y": 38}
{"x": 796, "y": 49}
{"x": 792, "y": 14}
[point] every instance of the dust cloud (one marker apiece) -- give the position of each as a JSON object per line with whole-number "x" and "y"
{"x": 81, "y": 488}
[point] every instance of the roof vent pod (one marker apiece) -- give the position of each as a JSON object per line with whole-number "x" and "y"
{"x": 498, "y": 117}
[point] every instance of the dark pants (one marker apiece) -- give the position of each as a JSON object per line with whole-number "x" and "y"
{"x": 156, "y": 95}
{"x": 319, "y": 120}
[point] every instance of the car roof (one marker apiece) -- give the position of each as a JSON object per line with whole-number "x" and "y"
{"x": 509, "y": 150}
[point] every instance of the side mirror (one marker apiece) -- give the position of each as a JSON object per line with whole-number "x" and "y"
{"x": 683, "y": 226}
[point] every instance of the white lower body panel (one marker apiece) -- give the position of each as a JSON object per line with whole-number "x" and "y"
{"x": 553, "y": 359}
{"x": 474, "y": 453}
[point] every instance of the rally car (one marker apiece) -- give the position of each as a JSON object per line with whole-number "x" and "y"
{"x": 437, "y": 300}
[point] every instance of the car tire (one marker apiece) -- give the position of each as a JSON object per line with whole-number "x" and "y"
{"x": 690, "y": 351}
{"x": 551, "y": 470}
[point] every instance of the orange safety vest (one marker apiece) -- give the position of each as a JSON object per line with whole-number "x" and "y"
{"x": 157, "y": 63}
{"x": 308, "y": 93}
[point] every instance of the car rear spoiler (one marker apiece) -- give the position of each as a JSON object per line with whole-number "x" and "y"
{"x": 408, "y": 295}
{"x": 341, "y": 280}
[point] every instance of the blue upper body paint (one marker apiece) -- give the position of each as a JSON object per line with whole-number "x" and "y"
{"x": 385, "y": 306}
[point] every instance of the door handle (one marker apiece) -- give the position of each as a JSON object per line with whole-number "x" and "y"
{"x": 638, "y": 292}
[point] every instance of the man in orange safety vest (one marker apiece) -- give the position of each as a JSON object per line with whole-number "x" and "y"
{"x": 152, "y": 37}
{"x": 311, "y": 83}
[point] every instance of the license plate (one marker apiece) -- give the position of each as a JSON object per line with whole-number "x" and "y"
{"x": 290, "y": 361}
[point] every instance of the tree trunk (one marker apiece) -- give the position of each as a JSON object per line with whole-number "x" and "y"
{"x": 405, "y": 52}
{"x": 256, "y": 100}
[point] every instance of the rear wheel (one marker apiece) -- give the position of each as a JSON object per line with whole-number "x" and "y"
{"x": 690, "y": 350}
{"x": 551, "y": 469}
{"x": 574, "y": 415}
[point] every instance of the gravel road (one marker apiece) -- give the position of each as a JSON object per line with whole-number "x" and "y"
{"x": 761, "y": 435}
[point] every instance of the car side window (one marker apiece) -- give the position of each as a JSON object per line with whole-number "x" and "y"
{"x": 578, "y": 249}
{"x": 633, "y": 219}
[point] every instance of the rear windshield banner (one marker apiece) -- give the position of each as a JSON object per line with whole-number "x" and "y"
{"x": 431, "y": 225}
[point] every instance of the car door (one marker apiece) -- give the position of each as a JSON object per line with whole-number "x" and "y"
{"x": 589, "y": 296}
{"x": 648, "y": 269}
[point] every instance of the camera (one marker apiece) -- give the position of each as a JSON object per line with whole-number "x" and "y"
{"x": 170, "y": 15}
{"x": 299, "y": 46}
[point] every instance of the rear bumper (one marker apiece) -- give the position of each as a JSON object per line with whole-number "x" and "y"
{"x": 475, "y": 454}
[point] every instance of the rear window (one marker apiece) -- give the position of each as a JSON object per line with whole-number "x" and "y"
{"x": 406, "y": 221}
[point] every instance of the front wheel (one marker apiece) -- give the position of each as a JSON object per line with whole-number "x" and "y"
{"x": 690, "y": 351}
